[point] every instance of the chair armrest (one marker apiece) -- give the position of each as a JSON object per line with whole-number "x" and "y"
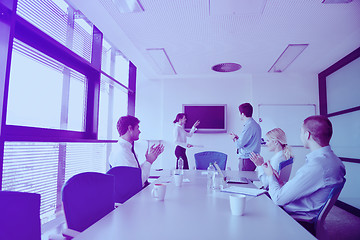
{"x": 56, "y": 237}
{"x": 302, "y": 218}
{"x": 67, "y": 232}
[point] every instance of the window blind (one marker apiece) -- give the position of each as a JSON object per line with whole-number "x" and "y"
{"x": 34, "y": 167}
{"x": 51, "y": 17}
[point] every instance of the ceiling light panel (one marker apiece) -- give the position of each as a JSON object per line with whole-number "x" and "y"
{"x": 161, "y": 60}
{"x": 128, "y": 6}
{"x": 291, "y": 52}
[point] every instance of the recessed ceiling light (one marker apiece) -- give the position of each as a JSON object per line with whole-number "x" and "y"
{"x": 226, "y": 67}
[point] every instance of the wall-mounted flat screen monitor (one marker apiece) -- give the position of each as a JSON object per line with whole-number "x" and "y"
{"x": 212, "y": 117}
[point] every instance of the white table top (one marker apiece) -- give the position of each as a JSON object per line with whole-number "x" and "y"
{"x": 193, "y": 212}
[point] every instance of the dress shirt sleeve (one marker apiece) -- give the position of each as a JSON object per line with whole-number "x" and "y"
{"x": 244, "y": 138}
{"x": 262, "y": 176}
{"x": 306, "y": 181}
{"x": 145, "y": 171}
{"x": 189, "y": 134}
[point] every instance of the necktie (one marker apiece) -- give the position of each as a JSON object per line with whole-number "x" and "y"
{"x": 133, "y": 151}
{"x": 146, "y": 183}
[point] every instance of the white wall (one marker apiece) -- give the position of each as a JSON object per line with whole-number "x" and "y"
{"x": 158, "y": 102}
{"x": 285, "y": 88}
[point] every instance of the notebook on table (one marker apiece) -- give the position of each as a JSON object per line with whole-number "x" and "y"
{"x": 231, "y": 180}
{"x": 246, "y": 191}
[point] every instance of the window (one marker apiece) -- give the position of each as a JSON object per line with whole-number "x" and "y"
{"x": 340, "y": 102}
{"x": 39, "y": 89}
{"x": 113, "y": 105}
{"x": 52, "y": 107}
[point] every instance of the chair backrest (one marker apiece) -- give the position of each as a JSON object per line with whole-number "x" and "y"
{"x": 20, "y": 215}
{"x": 203, "y": 159}
{"x": 285, "y": 169}
{"x": 87, "y": 197}
{"x": 325, "y": 209}
{"x": 127, "y": 182}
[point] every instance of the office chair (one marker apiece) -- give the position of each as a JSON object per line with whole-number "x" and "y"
{"x": 20, "y": 215}
{"x": 87, "y": 197}
{"x": 285, "y": 169}
{"x": 203, "y": 159}
{"x": 127, "y": 182}
{"x": 316, "y": 225}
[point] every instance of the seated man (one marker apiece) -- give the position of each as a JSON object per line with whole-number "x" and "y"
{"x": 123, "y": 153}
{"x": 308, "y": 190}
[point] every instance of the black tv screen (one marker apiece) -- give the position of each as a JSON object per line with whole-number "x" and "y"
{"x": 212, "y": 117}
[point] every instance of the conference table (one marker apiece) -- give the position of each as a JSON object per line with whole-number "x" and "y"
{"x": 192, "y": 211}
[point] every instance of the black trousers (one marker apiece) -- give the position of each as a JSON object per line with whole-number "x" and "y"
{"x": 181, "y": 152}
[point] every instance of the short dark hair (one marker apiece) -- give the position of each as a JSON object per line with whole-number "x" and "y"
{"x": 124, "y": 122}
{"x": 178, "y": 117}
{"x": 246, "y": 109}
{"x": 320, "y": 129}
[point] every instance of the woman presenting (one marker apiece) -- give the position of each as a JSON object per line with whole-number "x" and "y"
{"x": 180, "y": 136}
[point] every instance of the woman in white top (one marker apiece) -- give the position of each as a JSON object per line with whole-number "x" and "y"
{"x": 276, "y": 142}
{"x": 180, "y": 136}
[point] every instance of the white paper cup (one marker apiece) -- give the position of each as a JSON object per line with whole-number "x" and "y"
{"x": 237, "y": 204}
{"x": 159, "y": 191}
{"x": 178, "y": 179}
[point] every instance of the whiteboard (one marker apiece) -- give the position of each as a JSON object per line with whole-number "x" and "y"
{"x": 288, "y": 117}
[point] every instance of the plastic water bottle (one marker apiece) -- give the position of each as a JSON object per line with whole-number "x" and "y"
{"x": 210, "y": 174}
{"x": 181, "y": 165}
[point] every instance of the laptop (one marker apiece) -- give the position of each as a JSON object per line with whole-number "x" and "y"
{"x": 231, "y": 180}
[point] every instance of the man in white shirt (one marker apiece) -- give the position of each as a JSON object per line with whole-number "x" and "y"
{"x": 123, "y": 153}
{"x": 309, "y": 189}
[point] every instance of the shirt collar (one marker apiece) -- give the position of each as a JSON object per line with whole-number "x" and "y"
{"x": 178, "y": 124}
{"x": 248, "y": 121}
{"x": 318, "y": 152}
{"x": 124, "y": 142}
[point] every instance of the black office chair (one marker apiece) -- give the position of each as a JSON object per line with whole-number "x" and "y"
{"x": 87, "y": 197}
{"x": 203, "y": 159}
{"x": 127, "y": 182}
{"x": 19, "y": 216}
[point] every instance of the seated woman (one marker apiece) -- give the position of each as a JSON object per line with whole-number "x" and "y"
{"x": 276, "y": 142}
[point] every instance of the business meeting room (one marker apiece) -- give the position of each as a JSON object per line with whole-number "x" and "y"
{"x": 179, "y": 119}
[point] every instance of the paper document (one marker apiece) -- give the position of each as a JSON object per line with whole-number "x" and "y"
{"x": 246, "y": 191}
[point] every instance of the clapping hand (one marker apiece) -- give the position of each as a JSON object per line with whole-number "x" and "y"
{"x": 257, "y": 159}
{"x": 268, "y": 170}
{"x": 154, "y": 152}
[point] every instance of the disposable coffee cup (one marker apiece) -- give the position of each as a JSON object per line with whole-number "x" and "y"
{"x": 237, "y": 204}
{"x": 159, "y": 191}
{"x": 178, "y": 179}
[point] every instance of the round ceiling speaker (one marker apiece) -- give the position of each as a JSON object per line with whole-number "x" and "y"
{"x": 226, "y": 67}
